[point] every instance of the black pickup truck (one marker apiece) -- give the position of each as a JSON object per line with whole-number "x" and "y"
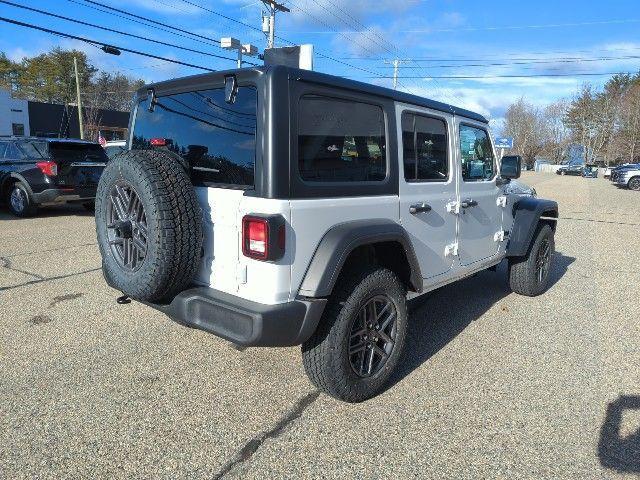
{"x": 48, "y": 171}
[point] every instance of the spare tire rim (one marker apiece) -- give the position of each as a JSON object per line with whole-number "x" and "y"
{"x": 127, "y": 229}
{"x": 372, "y": 336}
{"x": 543, "y": 260}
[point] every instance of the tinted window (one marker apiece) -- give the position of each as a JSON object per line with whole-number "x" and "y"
{"x": 18, "y": 129}
{"x": 30, "y": 150}
{"x": 476, "y": 154}
{"x": 13, "y": 152}
{"x": 340, "y": 141}
{"x": 77, "y": 152}
{"x": 3, "y": 148}
{"x": 424, "y": 142}
{"x": 216, "y": 138}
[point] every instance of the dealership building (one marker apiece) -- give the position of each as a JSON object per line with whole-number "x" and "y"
{"x": 27, "y": 118}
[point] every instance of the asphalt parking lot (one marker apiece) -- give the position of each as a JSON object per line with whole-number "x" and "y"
{"x": 493, "y": 384}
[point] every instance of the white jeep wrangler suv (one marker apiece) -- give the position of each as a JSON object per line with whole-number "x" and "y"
{"x": 274, "y": 207}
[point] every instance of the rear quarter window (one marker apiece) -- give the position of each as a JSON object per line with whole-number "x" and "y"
{"x": 217, "y": 139}
{"x": 340, "y": 141}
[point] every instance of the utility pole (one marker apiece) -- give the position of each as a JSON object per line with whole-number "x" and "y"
{"x": 269, "y": 23}
{"x": 78, "y": 98}
{"x": 396, "y": 65}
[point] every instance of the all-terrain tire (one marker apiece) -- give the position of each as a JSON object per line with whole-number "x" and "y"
{"x": 325, "y": 355}
{"x": 173, "y": 221}
{"x": 524, "y": 272}
{"x": 20, "y": 202}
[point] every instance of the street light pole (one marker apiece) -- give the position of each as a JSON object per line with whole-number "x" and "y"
{"x": 78, "y": 98}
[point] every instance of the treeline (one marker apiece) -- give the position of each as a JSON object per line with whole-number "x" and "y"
{"x": 50, "y": 77}
{"x": 602, "y": 125}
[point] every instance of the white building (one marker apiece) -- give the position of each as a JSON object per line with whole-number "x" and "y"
{"x": 14, "y": 115}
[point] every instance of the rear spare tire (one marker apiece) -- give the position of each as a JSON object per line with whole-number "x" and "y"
{"x": 149, "y": 225}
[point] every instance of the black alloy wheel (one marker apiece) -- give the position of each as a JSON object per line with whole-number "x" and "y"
{"x": 372, "y": 336}
{"x": 127, "y": 226}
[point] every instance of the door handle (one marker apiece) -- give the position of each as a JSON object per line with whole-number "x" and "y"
{"x": 468, "y": 203}
{"x": 419, "y": 208}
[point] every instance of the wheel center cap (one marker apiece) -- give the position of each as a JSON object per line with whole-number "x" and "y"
{"x": 125, "y": 227}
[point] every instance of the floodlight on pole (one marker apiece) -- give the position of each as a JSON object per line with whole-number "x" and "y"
{"x": 230, "y": 43}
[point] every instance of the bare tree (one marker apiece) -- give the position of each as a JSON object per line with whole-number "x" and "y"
{"x": 524, "y": 122}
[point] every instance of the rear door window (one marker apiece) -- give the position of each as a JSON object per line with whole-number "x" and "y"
{"x": 340, "y": 141}
{"x": 217, "y": 139}
{"x": 424, "y": 141}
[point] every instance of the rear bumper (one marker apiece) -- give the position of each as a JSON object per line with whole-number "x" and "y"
{"x": 245, "y": 322}
{"x": 56, "y": 195}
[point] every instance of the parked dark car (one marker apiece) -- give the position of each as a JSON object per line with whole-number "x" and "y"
{"x": 590, "y": 171}
{"x": 570, "y": 170}
{"x": 618, "y": 171}
{"x": 48, "y": 171}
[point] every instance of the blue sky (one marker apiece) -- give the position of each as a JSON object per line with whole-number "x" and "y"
{"x": 442, "y": 37}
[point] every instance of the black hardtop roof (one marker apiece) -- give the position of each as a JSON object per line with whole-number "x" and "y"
{"x": 319, "y": 78}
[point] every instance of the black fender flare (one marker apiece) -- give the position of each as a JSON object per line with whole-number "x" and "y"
{"x": 527, "y": 213}
{"x": 339, "y": 241}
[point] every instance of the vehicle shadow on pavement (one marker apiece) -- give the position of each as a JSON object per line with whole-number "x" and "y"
{"x": 437, "y": 318}
{"x": 50, "y": 212}
{"x": 617, "y": 451}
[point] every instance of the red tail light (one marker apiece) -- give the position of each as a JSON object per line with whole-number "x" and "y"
{"x": 49, "y": 168}
{"x": 158, "y": 142}
{"x": 263, "y": 237}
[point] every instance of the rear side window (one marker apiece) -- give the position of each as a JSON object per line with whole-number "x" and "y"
{"x": 77, "y": 152}
{"x": 424, "y": 145}
{"x": 340, "y": 141}
{"x": 3, "y": 148}
{"x": 30, "y": 150}
{"x": 476, "y": 154}
{"x": 13, "y": 152}
{"x": 216, "y": 139}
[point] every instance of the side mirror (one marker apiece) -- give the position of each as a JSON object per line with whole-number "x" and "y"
{"x": 230, "y": 88}
{"x": 511, "y": 166}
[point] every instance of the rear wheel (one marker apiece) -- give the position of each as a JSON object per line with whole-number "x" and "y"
{"x": 20, "y": 202}
{"x": 360, "y": 338}
{"x": 529, "y": 275}
{"x": 634, "y": 184}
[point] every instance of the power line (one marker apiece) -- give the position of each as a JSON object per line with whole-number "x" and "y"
{"x": 98, "y": 44}
{"x": 80, "y": 22}
{"x": 146, "y": 21}
{"x": 501, "y": 56}
{"x": 218, "y": 14}
{"x": 499, "y": 27}
{"x": 534, "y": 62}
{"x": 476, "y": 77}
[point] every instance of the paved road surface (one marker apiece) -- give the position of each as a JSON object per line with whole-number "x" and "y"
{"x": 494, "y": 385}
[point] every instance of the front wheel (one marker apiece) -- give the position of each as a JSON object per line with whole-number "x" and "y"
{"x": 634, "y": 184}
{"x": 360, "y": 338}
{"x": 529, "y": 275}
